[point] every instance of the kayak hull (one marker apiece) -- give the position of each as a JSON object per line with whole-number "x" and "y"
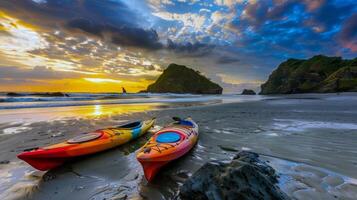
{"x": 44, "y": 164}
{"x": 50, "y": 157}
{"x": 154, "y": 155}
{"x": 152, "y": 168}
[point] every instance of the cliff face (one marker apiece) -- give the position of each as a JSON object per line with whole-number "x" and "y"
{"x": 318, "y": 74}
{"x": 180, "y": 79}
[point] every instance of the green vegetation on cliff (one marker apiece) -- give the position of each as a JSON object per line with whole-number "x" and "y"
{"x": 318, "y": 74}
{"x": 180, "y": 79}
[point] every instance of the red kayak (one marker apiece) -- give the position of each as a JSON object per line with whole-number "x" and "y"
{"x": 168, "y": 144}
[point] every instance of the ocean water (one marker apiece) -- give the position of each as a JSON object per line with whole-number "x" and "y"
{"x": 29, "y": 107}
{"x": 26, "y": 100}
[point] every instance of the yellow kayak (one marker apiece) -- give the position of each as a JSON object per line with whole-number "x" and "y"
{"x": 49, "y": 157}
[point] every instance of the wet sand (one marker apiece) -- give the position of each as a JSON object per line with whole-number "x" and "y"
{"x": 309, "y": 139}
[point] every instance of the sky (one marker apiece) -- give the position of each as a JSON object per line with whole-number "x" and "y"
{"x": 103, "y": 45}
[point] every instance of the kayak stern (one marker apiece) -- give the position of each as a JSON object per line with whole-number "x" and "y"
{"x": 42, "y": 164}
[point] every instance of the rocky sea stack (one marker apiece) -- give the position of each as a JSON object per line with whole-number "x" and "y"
{"x": 248, "y": 92}
{"x": 319, "y": 74}
{"x": 246, "y": 177}
{"x": 181, "y": 79}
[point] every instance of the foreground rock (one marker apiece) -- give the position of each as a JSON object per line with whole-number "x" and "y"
{"x": 248, "y": 92}
{"x": 318, "y": 74}
{"x": 180, "y": 79}
{"x": 244, "y": 178}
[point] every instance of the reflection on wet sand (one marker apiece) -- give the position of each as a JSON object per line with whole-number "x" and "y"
{"x": 57, "y": 113}
{"x": 30, "y": 115}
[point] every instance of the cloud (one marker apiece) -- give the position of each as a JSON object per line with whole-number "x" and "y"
{"x": 42, "y": 73}
{"x": 18, "y": 74}
{"x": 313, "y": 4}
{"x": 348, "y": 33}
{"x": 134, "y": 40}
{"x": 113, "y": 19}
{"x": 228, "y": 3}
{"x": 255, "y": 13}
{"x": 190, "y": 49}
{"x": 120, "y": 35}
{"x": 327, "y": 15}
{"x": 280, "y": 10}
{"x": 227, "y": 60}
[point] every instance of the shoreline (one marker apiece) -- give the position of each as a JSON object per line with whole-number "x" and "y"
{"x": 95, "y": 109}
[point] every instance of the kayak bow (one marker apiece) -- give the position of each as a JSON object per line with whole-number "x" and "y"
{"x": 49, "y": 157}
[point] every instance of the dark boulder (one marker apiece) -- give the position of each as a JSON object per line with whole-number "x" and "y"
{"x": 244, "y": 178}
{"x": 248, "y": 92}
{"x": 4, "y": 162}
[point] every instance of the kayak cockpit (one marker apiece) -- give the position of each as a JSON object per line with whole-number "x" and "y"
{"x": 168, "y": 137}
{"x": 131, "y": 125}
{"x": 85, "y": 138}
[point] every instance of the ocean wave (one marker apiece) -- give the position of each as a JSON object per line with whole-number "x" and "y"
{"x": 36, "y": 97}
{"x": 17, "y": 105}
{"x": 84, "y": 99}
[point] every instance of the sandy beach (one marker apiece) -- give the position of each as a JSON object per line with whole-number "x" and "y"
{"x": 308, "y": 139}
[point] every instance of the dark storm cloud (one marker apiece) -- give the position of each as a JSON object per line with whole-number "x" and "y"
{"x": 325, "y": 16}
{"x": 196, "y": 49}
{"x": 106, "y": 11}
{"x": 291, "y": 27}
{"x": 120, "y": 35}
{"x": 256, "y": 13}
{"x": 101, "y": 18}
{"x": 109, "y": 20}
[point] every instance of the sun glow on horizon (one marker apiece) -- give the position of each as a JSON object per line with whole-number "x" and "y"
{"x": 102, "y": 80}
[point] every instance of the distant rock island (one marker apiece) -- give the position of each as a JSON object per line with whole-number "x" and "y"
{"x": 319, "y": 74}
{"x": 248, "y": 92}
{"x": 43, "y": 94}
{"x": 181, "y": 79}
